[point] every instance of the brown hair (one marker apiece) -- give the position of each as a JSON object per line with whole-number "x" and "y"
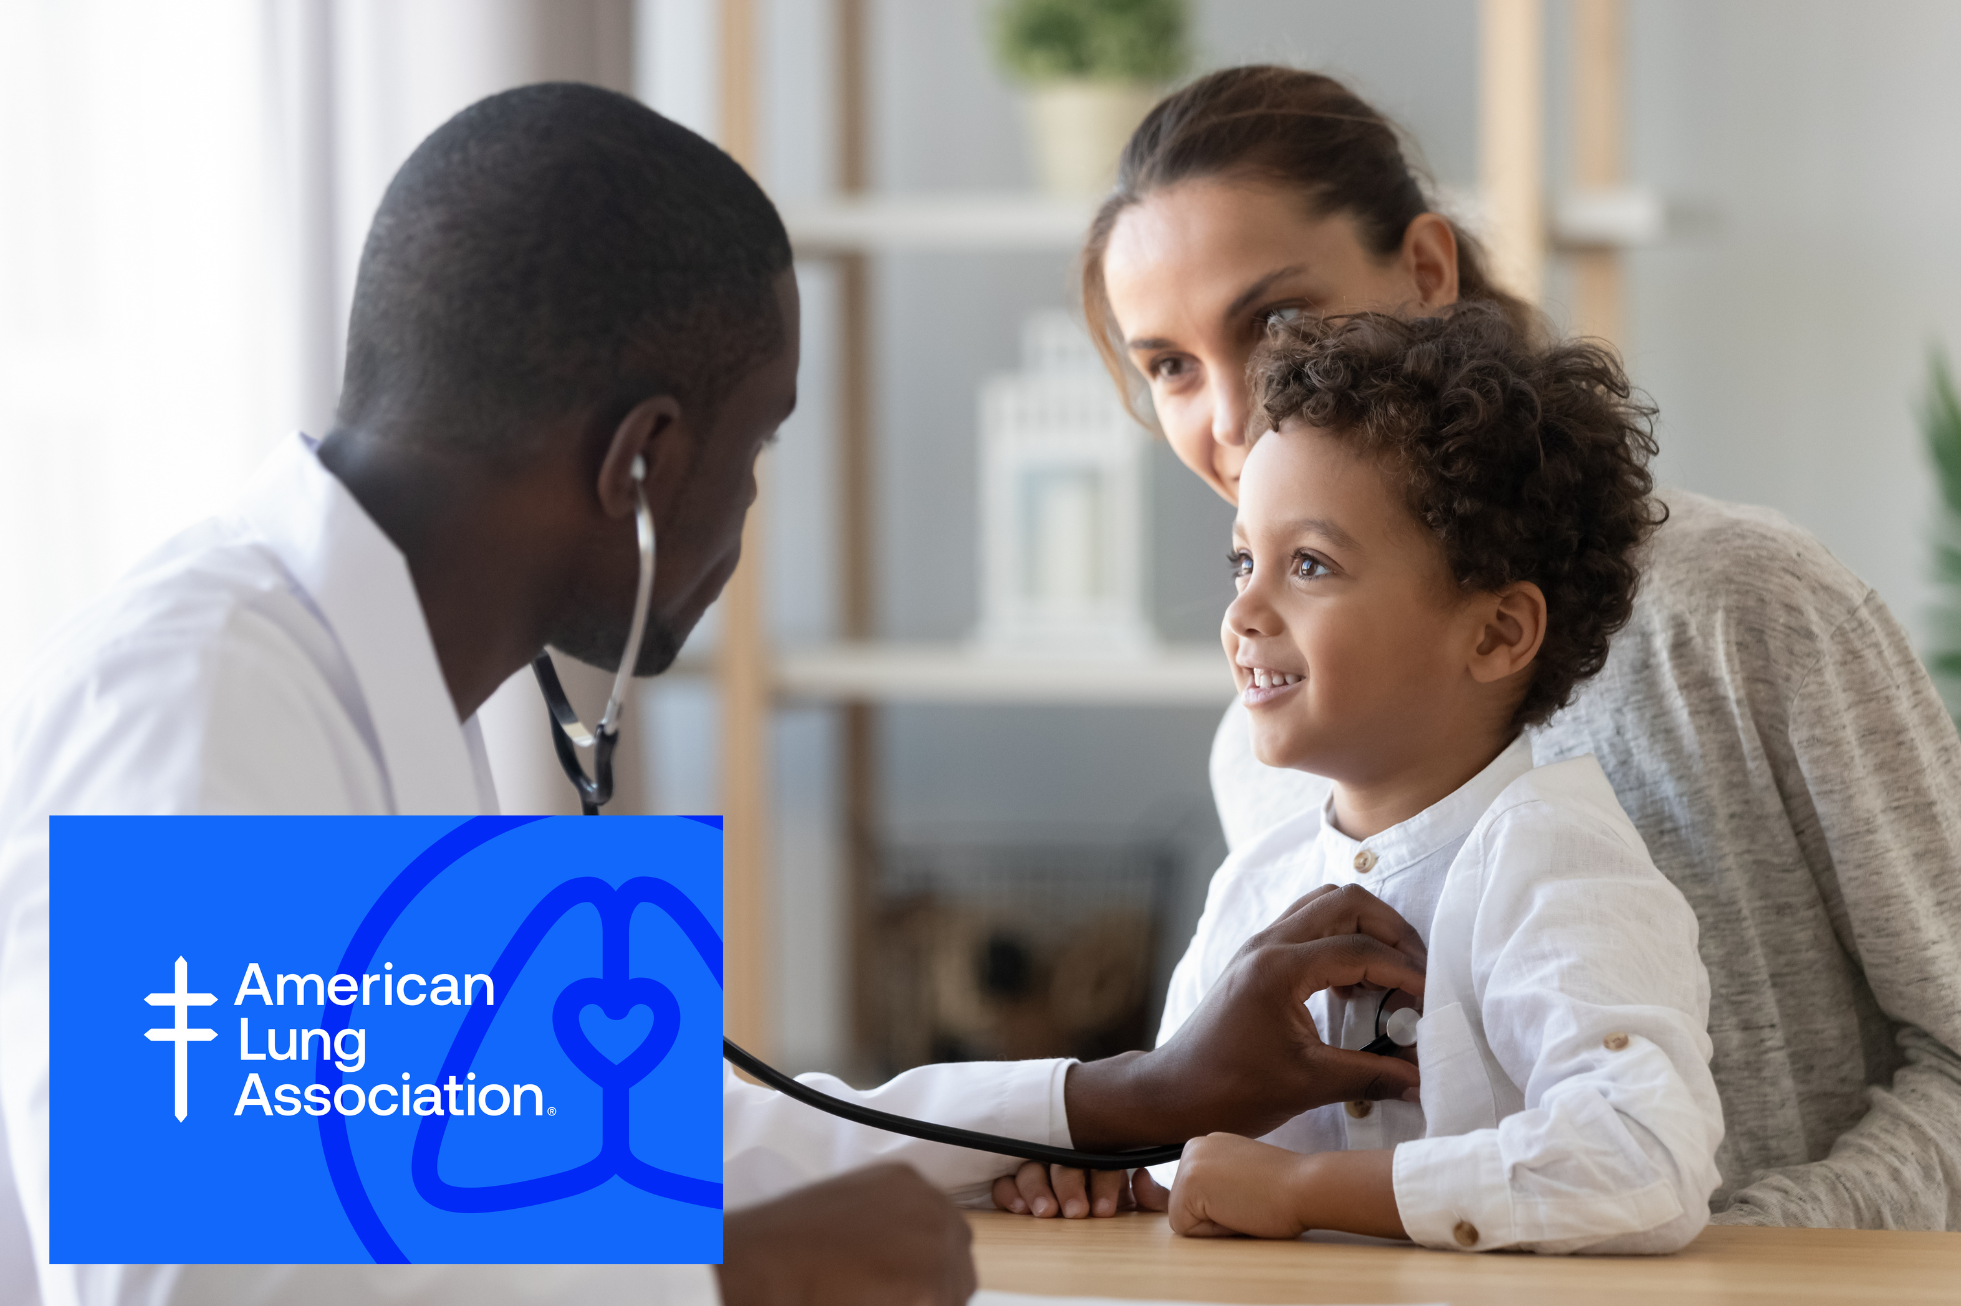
{"x": 1299, "y": 129}
{"x": 1525, "y": 461}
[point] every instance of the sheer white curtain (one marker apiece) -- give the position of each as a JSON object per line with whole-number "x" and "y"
{"x": 146, "y": 335}
{"x": 184, "y": 189}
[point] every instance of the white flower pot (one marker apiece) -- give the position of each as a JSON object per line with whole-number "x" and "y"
{"x": 1078, "y": 129}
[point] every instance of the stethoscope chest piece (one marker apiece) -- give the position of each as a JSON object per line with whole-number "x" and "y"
{"x": 1394, "y": 1030}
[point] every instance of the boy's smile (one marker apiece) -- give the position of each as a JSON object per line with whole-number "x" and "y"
{"x": 1357, "y": 654}
{"x": 1262, "y": 685}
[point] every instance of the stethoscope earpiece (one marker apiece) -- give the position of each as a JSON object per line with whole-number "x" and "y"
{"x": 569, "y": 734}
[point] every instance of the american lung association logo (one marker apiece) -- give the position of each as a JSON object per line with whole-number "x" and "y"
{"x": 490, "y": 1036}
{"x": 347, "y": 1047}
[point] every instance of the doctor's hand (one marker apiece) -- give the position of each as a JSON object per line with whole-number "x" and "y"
{"x": 1250, "y": 1058}
{"x": 874, "y": 1236}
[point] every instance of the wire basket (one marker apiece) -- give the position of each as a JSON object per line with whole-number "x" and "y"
{"x": 991, "y": 952}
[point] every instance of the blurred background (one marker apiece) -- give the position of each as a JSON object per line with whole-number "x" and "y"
{"x": 966, "y": 789}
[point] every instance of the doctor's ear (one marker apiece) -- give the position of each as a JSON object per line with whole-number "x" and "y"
{"x": 651, "y": 446}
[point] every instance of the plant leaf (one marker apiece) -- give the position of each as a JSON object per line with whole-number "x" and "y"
{"x": 1109, "y": 40}
{"x": 1940, "y": 423}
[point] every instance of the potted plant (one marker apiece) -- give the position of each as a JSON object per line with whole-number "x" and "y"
{"x": 1090, "y": 69}
{"x": 1940, "y": 422}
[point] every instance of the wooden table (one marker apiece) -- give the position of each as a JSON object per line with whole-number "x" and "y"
{"x": 1138, "y": 1256}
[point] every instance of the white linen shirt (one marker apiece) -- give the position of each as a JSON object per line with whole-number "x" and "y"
{"x": 275, "y": 660}
{"x": 1566, "y": 1098}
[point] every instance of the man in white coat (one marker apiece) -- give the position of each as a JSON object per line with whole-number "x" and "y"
{"x": 559, "y": 284}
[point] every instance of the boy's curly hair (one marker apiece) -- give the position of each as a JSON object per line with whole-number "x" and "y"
{"x": 1527, "y": 462}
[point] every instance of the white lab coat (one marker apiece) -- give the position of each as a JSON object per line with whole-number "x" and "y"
{"x": 275, "y": 660}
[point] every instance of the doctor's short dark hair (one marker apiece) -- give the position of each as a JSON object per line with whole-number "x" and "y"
{"x": 557, "y": 247}
{"x": 1526, "y": 462}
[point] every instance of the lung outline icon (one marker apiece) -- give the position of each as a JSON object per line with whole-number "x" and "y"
{"x": 615, "y": 992}
{"x": 431, "y": 862}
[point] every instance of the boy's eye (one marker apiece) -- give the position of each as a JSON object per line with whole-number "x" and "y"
{"x": 1279, "y": 317}
{"x": 1163, "y": 369}
{"x": 1241, "y": 563}
{"x": 1308, "y": 567}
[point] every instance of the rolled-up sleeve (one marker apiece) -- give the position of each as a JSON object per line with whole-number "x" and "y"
{"x": 1593, "y": 1003}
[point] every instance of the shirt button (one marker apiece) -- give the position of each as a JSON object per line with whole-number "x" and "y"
{"x": 1465, "y": 1233}
{"x": 1614, "y": 1042}
{"x": 1365, "y": 861}
{"x": 1360, "y": 1110}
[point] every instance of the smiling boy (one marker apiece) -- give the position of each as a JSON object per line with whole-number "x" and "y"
{"x": 1436, "y": 539}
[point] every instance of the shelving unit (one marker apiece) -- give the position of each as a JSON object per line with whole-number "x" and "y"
{"x": 874, "y": 673}
{"x": 860, "y": 674}
{"x": 950, "y": 673}
{"x": 977, "y": 221}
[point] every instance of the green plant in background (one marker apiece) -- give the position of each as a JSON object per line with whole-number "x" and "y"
{"x": 1092, "y": 40}
{"x": 1940, "y": 421}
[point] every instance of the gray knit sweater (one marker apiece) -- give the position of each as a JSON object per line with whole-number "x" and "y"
{"x": 1771, "y": 734}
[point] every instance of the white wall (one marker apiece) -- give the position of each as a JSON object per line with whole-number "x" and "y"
{"x": 1785, "y": 332}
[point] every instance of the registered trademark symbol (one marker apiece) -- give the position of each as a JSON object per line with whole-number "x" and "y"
{"x": 551, "y": 1110}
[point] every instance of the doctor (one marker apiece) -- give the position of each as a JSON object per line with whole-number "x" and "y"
{"x": 559, "y": 285}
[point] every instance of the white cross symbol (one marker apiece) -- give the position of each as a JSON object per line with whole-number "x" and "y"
{"x": 181, "y": 1034}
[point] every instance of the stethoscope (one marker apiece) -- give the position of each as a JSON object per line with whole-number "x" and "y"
{"x": 570, "y": 737}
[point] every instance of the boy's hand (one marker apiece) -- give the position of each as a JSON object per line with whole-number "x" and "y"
{"x": 1227, "y": 1185}
{"x": 1045, "y": 1191}
{"x": 1232, "y": 1185}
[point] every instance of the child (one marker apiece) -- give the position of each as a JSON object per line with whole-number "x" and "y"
{"x": 1435, "y": 541}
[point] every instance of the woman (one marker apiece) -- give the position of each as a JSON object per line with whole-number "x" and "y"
{"x": 1762, "y": 717}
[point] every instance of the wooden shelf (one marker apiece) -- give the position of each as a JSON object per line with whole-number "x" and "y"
{"x": 1593, "y": 218}
{"x": 1608, "y": 217}
{"x": 981, "y": 220}
{"x": 1193, "y": 675}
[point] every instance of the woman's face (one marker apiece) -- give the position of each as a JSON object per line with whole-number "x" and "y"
{"x": 1194, "y": 271}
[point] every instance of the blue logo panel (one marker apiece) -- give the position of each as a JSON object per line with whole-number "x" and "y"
{"x": 349, "y": 1039}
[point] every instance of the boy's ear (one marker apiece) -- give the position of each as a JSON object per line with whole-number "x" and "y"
{"x": 1514, "y": 626}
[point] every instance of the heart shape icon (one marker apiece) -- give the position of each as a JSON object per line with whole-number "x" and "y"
{"x": 615, "y": 1039}
{"x": 615, "y": 999}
